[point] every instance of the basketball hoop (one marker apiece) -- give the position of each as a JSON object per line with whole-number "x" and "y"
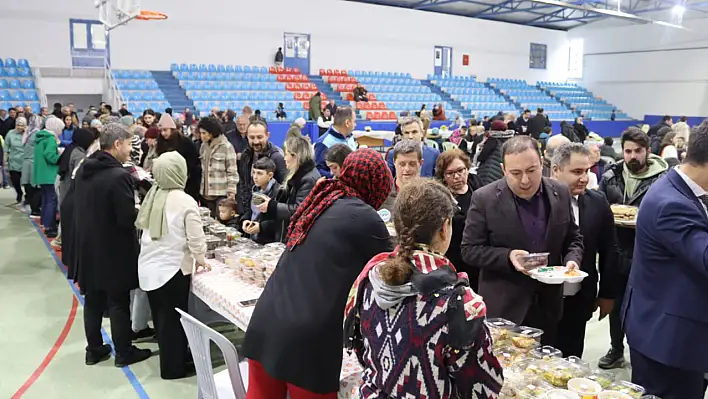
{"x": 146, "y": 15}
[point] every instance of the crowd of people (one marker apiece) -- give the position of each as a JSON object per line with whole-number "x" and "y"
{"x": 127, "y": 191}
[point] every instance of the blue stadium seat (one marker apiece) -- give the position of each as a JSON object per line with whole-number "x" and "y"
{"x": 28, "y": 84}
{"x": 24, "y": 72}
{"x": 10, "y": 62}
{"x": 31, "y": 95}
{"x": 17, "y": 96}
{"x": 14, "y": 84}
{"x": 229, "y": 68}
{"x": 11, "y": 71}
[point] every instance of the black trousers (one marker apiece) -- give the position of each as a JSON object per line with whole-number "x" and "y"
{"x": 95, "y": 302}
{"x": 33, "y": 197}
{"x": 616, "y": 330}
{"x": 664, "y": 381}
{"x": 15, "y": 177}
{"x": 571, "y": 328}
{"x": 171, "y": 339}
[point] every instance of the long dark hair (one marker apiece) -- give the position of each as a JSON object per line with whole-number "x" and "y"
{"x": 422, "y": 208}
{"x": 166, "y": 145}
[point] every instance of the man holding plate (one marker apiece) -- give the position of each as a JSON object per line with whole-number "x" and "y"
{"x": 521, "y": 213}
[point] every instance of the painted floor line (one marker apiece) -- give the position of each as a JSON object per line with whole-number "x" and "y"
{"x": 52, "y": 352}
{"x": 137, "y": 386}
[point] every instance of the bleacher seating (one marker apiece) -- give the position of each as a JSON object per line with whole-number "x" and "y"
{"x": 140, "y": 90}
{"x": 531, "y": 97}
{"x": 235, "y": 86}
{"x": 581, "y": 100}
{"x": 17, "y": 85}
{"x": 474, "y": 96}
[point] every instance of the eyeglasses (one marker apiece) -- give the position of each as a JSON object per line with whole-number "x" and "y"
{"x": 452, "y": 173}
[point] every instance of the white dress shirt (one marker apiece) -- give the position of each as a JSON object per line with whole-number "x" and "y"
{"x": 570, "y": 289}
{"x": 697, "y": 190}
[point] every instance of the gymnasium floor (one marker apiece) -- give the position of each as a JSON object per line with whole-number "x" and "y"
{"x": 42, "y": 345}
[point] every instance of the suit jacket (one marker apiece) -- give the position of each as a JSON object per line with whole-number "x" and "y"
{"x": 597, "y": 226}
{"x": 493, "y": 228}
{"x": 665, "y": 311}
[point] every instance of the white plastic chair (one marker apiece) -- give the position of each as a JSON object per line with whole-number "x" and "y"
{"x": 431, "y": 143}
{"x": 227, "y": 384}
{"x": 447, "y": 145}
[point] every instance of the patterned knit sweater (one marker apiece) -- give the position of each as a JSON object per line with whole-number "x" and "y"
{"x": 430, "y": 344}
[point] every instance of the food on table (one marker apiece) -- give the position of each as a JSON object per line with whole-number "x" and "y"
{"x": 533, "y": 389}
{"x": 560, "y": 372}
{"x": 604, "y": 378}
{"x": 613, "y": 395}
{"x": 546, "y": 352}
{"x": 526, "y": 337}
{"x": 561, "y": 394}
{"x": 578, "y": 362}
{"x": 204, "y": 211}
{"x": 624, "y": 213}
{"x": 508, "y": 356}
{"x": 628, "y": 388}
{"x": 533, "y": 261}
{"x": 584, "y": 387}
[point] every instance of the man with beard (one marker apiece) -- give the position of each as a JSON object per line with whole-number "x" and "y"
{"x": 258, "y": 147}
{"x": 570, "y": 165}
{"x": 238, "y": 137}
{"x": 626, "y": 183}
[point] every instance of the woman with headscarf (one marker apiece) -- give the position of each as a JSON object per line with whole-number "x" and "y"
{"x": 33, "y": 195}
{"x": 294, "y": 340}
{"x": 171, "y": 139}
{"x": 46, "y": 167}
{"x": 14, "y": 151}
{"x": 302, "y": 177}
{"x": 172, "y": 242}
{"x": 69, "y": 162}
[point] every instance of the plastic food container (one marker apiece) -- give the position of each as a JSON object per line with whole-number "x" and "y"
{"x": 213, "y": 242}
{"x": 259, "y": 198}
{"x": 204, "y": 211}
{"x": 509, "y": 355}
{"x": 532, "y": 389}
{"x": 585, "y": 388}
{"x": 578, "y": 362}
{"x": 604, "y": 378}
{"x": 546, "y": 352}
{"x": 626, "y": 387}
{"x": 525, "y": 337}
{"x": 613, "y": 395}
{"x": 561, "y": 394}
{"x": 533, "y": 261}
{"x": 557, "y": 275}
{"x": 560, "y": 372}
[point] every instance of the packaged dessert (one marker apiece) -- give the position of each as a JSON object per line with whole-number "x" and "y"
{"x": 259, "y": 198}
{"x": 532, "y": 389}
{"x": 528, "y": 368}
{"x": 559, "y": 372}
{"x": 499, "y": 330}
{"x": 232, "y": 234}
{"x": 533, "y": 261}
{"x": 509, "y": 355}
{"x": 628, "y": 388}
{"x": 578, "y": 362}
{"x": 214, "y": 242}
{"x": 204, "y": 211}
{"x": 218, "y": 230}
{"x": 546, "y": 352}
{"x": 604, "y": 378}
{"x": 525, "y": 337}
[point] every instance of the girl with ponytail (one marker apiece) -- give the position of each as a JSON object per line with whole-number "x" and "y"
{"x": 412, "y": 307}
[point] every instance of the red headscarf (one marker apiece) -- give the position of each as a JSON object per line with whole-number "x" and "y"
{"x": 365, "y": 175}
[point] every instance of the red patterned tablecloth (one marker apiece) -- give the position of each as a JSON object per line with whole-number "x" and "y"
{"x": 222, "y": 291}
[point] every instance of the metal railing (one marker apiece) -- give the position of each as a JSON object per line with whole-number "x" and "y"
{"x": 37, "y": 73}
{"x": 112, "y": 92}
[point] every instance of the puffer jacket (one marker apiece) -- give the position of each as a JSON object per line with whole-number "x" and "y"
{"x": 613, "y": 185}
{"x": 490, "y": 158}
{"x": 245, "y": 182}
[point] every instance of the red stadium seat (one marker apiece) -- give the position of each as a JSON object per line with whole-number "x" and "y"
{"x": 350, "y": 97}
{"x": 299, "y": 96}
{"x": 329, "y": 72}
{"x": 296, "y": 70}
{"x": 377, "y": 115}
{"x": 306, "y": 105}
{"x": 392, "y": 115}
{"x": 271, "y": 69}
{"x": 322, "y": 72}
{"x": 345, "y": 73}
{"x": 288, "y": 70}
{"x": 280, "y": 78}
{"x": 289, "y": 86}
{"x": 372, "y": 97}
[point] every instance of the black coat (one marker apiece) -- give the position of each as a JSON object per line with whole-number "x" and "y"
{"x": 537, "y": 124}
{"x": 520, "y": 124}
{"x": 6, "y": 125}
{"x": 245, "y": 179}
{"x": 597, "y": 226}
{"x": 68, "y": 231}
{"x": 296, "y": 328}
{"x": 267, "y": 234}
{"x": 654, "y": 130}
{"x": 107, "y": 242}
{"x": 188, "y": 150}
{"x": 581, "y": 131}
{"x": 612, "y": 185}
{"x": 289, "y": 197}
{"x": 490, "y": 159}
{"x": 458, "y": 227}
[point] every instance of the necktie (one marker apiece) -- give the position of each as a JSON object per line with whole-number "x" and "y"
{"x": 704, "y": 199}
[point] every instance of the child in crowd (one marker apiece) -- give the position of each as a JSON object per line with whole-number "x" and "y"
{"x": 227, "y": 212}
{"x": 335, "y": 157}
{"x": 265, "y": 186}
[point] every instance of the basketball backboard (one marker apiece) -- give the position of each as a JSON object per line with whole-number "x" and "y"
{"x": 114, "y": 13}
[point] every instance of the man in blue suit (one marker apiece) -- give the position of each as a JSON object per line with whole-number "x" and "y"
{"x": 665, "y": 312}
{"x": 412, "y": 128}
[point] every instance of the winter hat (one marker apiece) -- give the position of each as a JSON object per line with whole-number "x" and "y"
{"x": 127, "y": 120}
{"x": 498, "y": 126}
{"x": 152, "y": 133}
{"x": 166, "y": 122}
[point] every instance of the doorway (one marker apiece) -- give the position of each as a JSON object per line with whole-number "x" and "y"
{"x": 296, "y": 51}
{"x": 442, "y": 61}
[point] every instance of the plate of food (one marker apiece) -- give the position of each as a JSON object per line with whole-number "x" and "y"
{"x": 557, "y": 275}
{"x": 625, "y": 215}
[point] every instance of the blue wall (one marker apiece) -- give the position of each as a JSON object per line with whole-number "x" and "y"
{"x": 652, "y": 120}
